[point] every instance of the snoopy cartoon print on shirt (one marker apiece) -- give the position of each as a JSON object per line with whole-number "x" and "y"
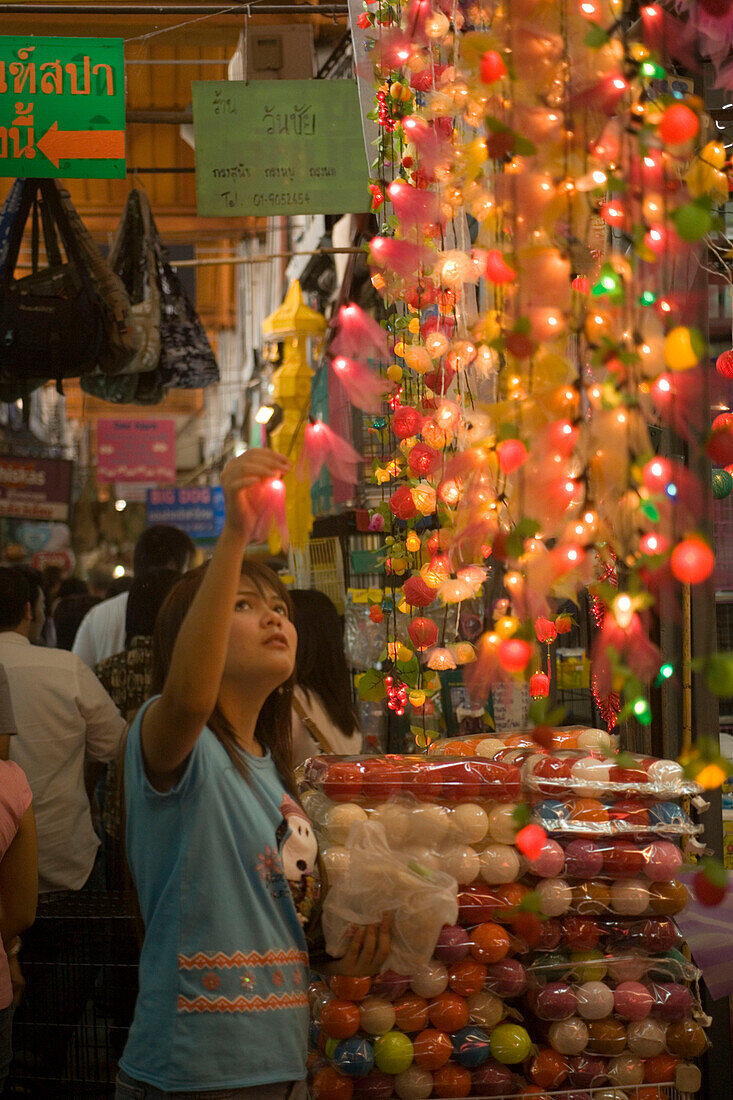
{"x": 298, "y": 853}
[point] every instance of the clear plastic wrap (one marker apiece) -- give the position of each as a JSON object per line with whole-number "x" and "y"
{"x": 603, "y": 775}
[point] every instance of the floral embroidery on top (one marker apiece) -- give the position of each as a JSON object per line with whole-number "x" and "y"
{"x": 248, "y": 980}
{"x": 278, "y": 978}
{"x": 211, "y": 981}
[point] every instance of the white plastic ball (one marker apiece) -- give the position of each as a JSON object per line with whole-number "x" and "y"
{"x": 499, "y": 864}
{"x": 316, "y": 806}
{"x": 629, "y": 898}
{"x": 429, "y": 980}
{"x": 395, "y": 819}
{"x": 414, "y": 1084}
{"x": 610, "y": 1094}
{"x": 591, "y": 740}
{"x": 461, "y": 863}
{"x": 595, "y": 1000}
{"x": 646, "y": 1038}
{"x": 489, "y": 747}
{"x": 556, "y": 896}
{"x": 503, "y": 826}
{"x": 340, "y": 818}
{"x": 627, "y": 967}
{"x": 485, "y": 1009}
{"x": 470, "y": 823}
{"x": 426, "y": 857}
{"x": 336, "y": 860}
{"x": 376, "y": 1015}
{"x": 429, "y": 825}
{"x": 587, "y": 773}
{"x": 624, "y": 1069}
{"x": 568, "y": 1036}
{"x": 666, "y": 773}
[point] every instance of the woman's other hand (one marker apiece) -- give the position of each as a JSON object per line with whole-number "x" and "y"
{"x": 368, "y": 949}
{"x": 242, "y": 473}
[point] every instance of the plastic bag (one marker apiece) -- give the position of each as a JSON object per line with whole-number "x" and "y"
{"x": 381, "y": 880}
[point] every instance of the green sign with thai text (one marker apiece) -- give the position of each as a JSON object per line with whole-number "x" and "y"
{"x": 278, "y": 147}
{"x": 62, "y": 107}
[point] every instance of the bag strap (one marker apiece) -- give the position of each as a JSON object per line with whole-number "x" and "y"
{"x": 60, "y": 217}
{"x": 53, "y": 253}
{"x": 16, "y": 235}
{"x": 313, "y": 729}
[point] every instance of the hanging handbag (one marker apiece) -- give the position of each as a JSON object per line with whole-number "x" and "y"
{"x": 51, "y": 321}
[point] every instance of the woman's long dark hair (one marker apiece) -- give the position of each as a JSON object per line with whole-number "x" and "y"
{"x": 321, "y": 666}
{"x": 273, "y": 728}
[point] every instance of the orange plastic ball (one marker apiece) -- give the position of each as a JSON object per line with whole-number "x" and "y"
{"x": 448, "y": 1012}
{"x": 411, "y": 1013}
{"x": 548, "y": 1069}
{"x": 467, "y": 977}
{"x": 489, "y": 942}
{"x": 452, "y": 1081}
{"x": 686, "y": 1039}
{"x": 509, "y": 898}
{"x": 588, "y": 809}
{"x": 668, "y": 898}
{"x": 327, "y": 1084}
{"x": 339, "y": 1019}
{"x": 606, "y": 1036}
{"x": 592, "y": 898}
{"x": 432, "y": 1049}
{"x": 350, "y": 989}
{"x": 660, "y": 1068}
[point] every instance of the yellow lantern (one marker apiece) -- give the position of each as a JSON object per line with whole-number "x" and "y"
{"x": 679, "y": 349}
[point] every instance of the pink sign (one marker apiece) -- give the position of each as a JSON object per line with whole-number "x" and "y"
{"x": 136, "y": 450}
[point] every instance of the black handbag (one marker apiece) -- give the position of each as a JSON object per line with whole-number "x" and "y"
{"x": 52, "y": 322}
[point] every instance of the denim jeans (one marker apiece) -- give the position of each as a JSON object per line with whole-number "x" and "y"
{"x": 128, "y": 1089}
{"x": 6, "y": 1048}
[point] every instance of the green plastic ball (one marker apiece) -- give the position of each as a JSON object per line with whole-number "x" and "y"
{"x": 393, "y": 1052}
{"x": 722, "y": 484}
{"x": 509, "y": 1044}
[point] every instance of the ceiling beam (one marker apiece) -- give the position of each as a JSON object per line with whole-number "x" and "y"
{"x": 172, "y": 9}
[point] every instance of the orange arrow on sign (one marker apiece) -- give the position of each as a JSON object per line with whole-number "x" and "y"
{"x": 81, "y": 144}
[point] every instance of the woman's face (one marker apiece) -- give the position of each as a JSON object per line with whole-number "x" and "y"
{"x": 262, "y": 639}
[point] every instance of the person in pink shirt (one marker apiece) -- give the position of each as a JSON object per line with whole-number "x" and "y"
{"x": 18, "y": 894}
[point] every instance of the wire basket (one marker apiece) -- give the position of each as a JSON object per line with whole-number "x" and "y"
{"x": 320, "y": 565}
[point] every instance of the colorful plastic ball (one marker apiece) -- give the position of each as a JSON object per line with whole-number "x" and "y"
{"x": 666, "y": 773}
{"x": 448, "y": 1012}
{"x": 568, "y": 1036}
{"x": 414, "y": 1084}
{"x": 551, "y": 813}
{"x": 462, "y": 863}
{"x": 668, "y": 898}
{"x": 606, "y": 1037}
{"x": 595, "y": 1000}
{"x": 376, "y": 1016}
{"x": 469, "y": 822}
{"x": 548, "y": 1068}
{"x": 485, "y": 1009}
{"x": 376, "y": 1086}
{"x": 592, "y": 898}
{"x": 340, "y": 818}
{"x": 503, "y": 826}
{"x": 627, "y": 967}
{"x": 663, "y": 860}
{"x": 506, "y": 978}
{"x": 477, "y": 903}
{"x": 722, "y": 484}
{"x": 580, "y": 932}
{"x": 489, "y": 942}
{"x": 646, "y": 1038}
{"x": 509, "y": 1044}
{"x": 632, "y": 1001}
{"x": 589, "y": 965}
{"x": 433, "y": 1048}
{"x": 589, "y": 770}
{"x": 452, "y": 1081}
{"x": 555, "y": 895}
{"x": 453, "y": 944}
{"x": 393, "y": 1052}
{"x": 467, "y": 977}
{"x": 328, "y": 1084}
{"x": 583, "y": 859}
{"x": 347, "y": 988}
{"x": 660, "y": 1068}
{"x": 586, "y": 1071}
{"x": 667, "y": 967}
{"x": 354, "y": 1057}
{"x": 389, "y": 985}
{"x": 470, "y": 1046}
{"x": 499, "y": 863}
{"x": 339, "y": 1019}
{"x": 550, "y": 862}
{"x": 686, "y": 1039}
{"x": 659, "y": 934}
{"x": 429, "y": 980}
{"x": 411, "y": 1013}
{"x": 491, "y": 1079}
{"x": 623, "y": 859}
{"x": 629, "y": 898}
{"x": 671, "y": 1001}
{"x": 548, "y": 934}
{"x": 395, "y": 819}
{"x": 632, "y": 811}
{"x": 555, "y": 1001}
{"x": 588, "y": 810}
{"x": 342, "y": 781}
{"x": 429, "y": 824}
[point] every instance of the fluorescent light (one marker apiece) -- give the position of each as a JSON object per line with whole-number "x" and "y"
{"x": 120, "y": 505}
{"x": 264, "y": 414}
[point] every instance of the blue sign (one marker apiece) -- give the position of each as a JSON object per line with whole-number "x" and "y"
{"x": 198, "y": 511}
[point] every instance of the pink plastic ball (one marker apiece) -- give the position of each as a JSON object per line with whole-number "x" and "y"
{"x": 555, "y": 1001}
{"x": 568, "y": 1036}
{"x": 595, "y": 1000}
{"x": 550, "y": 861}
{"x": 453, "y": 944}
{"x": 671, "y": 1001}
{"x": 583, "y": 859}
{"x": 663, "y": 861}
{"x": 506, "y": 978}
{"x": 632, "y": 1001}
{"x": 389, "y": 985}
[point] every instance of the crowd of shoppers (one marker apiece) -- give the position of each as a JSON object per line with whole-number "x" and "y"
{"x": 190, "y": 678}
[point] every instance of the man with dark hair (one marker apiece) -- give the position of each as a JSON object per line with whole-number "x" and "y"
{"x": 102, "y": 632}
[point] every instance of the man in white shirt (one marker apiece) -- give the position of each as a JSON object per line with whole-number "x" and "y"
{"x": 64, "y": 719}
{"x": 102, "y": 630}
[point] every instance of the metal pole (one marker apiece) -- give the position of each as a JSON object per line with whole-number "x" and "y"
{"x": 173, "y": 9}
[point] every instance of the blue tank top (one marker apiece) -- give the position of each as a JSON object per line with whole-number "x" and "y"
{"x": 223, "y": 972}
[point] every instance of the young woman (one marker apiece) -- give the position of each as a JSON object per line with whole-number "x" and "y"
{"x": 324, "y": 717}
{"x": 214, "y": 834}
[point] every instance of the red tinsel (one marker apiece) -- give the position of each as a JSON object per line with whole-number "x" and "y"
{"x": 610, "y": 704}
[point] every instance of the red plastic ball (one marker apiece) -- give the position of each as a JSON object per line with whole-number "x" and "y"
{"x": 350, "y": 989}
{"x": 411, "y": 1013}
{"x": 476, "y": 904}
{"x": 492, "y": 67}
{"x": 724, "y": 364}
{"x": 692, "y": 561}
{"x": 452, "y": 1081}
{"x": 381, "y": 780}
{"x": 342, "y": 781}
{"x": 722, "y": 420}
{"x": 401, "y": 503}
{"x": 678, "y": 125}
